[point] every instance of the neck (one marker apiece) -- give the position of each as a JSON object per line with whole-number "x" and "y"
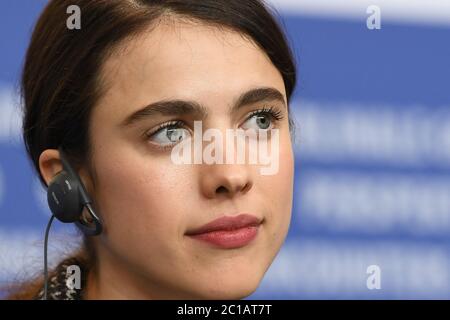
{"x": 114, "y": 279}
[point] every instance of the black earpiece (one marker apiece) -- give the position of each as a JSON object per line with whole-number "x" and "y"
{"x": 67, "y": 197}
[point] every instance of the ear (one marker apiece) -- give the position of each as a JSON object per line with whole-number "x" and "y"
{"x": 50, "y": 164}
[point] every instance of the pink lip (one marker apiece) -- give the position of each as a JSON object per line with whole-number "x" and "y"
{"x": 228, "y": 231}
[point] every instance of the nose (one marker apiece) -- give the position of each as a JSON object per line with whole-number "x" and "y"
{"x": 225, "y": 180}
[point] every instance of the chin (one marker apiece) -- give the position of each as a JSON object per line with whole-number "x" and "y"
{"x": 228, "y": 294}
{"x": 233, "y": 289}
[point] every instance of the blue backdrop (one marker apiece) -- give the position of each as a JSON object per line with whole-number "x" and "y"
{"x": 372, "y": 184}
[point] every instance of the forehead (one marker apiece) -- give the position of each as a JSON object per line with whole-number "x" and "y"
{"x": 185, "y": 60}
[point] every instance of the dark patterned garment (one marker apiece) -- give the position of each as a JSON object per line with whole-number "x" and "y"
{"x": 58, "y": 287}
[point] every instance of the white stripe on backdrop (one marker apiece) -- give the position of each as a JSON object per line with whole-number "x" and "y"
{"x": 434, "y": 12}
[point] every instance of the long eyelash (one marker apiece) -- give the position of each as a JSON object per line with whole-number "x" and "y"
{"x": 169, "y": 124}
{"x": 174, "y": 123}
{"x": 272, "y": 111}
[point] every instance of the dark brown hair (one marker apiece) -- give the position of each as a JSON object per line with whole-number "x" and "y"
{"x": 61, "y": 74}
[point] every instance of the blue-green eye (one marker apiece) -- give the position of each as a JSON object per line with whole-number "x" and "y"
{"x": 262, "y": 119}
{"x": 169, "y": 134}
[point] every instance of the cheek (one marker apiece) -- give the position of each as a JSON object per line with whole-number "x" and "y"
{"x": 287, "y": 164}
{"x": 281, "y": 182}
{"x": 137, "y": 198}
{"x": 279, "y": 187}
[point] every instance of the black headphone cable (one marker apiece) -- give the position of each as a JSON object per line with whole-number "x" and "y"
{"x": 45, "y": 256}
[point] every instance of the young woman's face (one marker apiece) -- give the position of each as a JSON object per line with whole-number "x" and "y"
{"x": 149, "y": 203}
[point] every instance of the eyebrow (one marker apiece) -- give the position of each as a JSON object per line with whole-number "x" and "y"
{"x": 185, "y": 107}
